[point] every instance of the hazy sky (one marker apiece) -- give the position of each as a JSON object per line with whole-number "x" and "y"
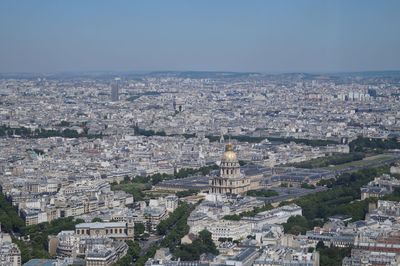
{"x": 228, "y": 35}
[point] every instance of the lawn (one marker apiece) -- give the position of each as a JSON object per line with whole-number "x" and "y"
{"x": 364, "y": 162}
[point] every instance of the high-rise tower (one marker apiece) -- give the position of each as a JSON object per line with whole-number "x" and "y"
{"x": 115, "y": 90}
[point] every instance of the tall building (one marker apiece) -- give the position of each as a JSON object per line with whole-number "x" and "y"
{"x": 10, "y": 254}
{"x": 372, "y": 93}
{"x": 229, "y": 180}
{"x": 115, "y": 90}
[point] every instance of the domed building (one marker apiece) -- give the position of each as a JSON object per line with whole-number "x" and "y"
{"x": 229, "y": 180}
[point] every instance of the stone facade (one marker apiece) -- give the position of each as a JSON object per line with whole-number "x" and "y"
{"x": 230, "y": 180}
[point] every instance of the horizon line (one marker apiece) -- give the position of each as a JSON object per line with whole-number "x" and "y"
{"x": 192, "y": 71}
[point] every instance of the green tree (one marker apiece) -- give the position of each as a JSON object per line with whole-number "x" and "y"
{"x": 262, "y": 193}
{"x": 139, "y": 229}
{"x": 186, "y": 193}
{"x": 296, "y": 225}
{"x": 332, "y": 256}
{"x": 203, "y": 244}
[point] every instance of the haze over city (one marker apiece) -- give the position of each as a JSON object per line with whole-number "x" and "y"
{"x": 260, "y": 36}
{"x": 199, "y": 133}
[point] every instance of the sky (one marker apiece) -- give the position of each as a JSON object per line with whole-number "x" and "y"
{"x": 203, "y": 35}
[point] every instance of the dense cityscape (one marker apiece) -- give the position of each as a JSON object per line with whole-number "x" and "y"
{"x": 199, "y": 133}
{"x": 210, "y": 168}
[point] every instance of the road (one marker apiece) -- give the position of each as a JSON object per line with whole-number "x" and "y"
{"x": 290, "y": 193}
{"x": 145, "y": 245}
{"x": 396, "y": 157}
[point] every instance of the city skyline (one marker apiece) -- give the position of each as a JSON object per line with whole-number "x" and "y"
{"x": 260, "y": 36}
{"x": 199, "y": 133}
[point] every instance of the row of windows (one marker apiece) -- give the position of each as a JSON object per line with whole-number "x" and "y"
{"x": 224, "y": 182}
{"x": 230, "y": 164}
{"x": 229, "y": 171}
{"x": 116, "y": 231}
{"x": 108, "y": 231}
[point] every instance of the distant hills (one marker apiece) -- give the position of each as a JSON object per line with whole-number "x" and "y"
{"x": 201, "y": 74}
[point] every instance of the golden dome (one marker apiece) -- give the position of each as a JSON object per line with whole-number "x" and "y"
{"x": 229, "y": 155}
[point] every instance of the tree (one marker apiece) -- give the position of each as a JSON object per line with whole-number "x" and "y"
{"x": 376, "y": 145}
{"x": 339, "y": 199}
{"x": 203, "y": 244}
{"x": 139, "y": 229}
{"x": 134, "y": 249}
{"x": 332, "y": 256}
{"x": 296, "y": 225}
{"x": 335, "y": 159}
{"x": 262, "y": 193}
{"x": 206, "y": 240}
{"x": 9, "y": 218}
{"x": 237, "y": 217}
{"x": 223, "y": 239}
{"x": 186, "y": 193}
{"x": 307, "y": 186}
{"x": 320, "y": 245}
{"x": 132, "y": 255}
{"x": 39, "y": 235}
